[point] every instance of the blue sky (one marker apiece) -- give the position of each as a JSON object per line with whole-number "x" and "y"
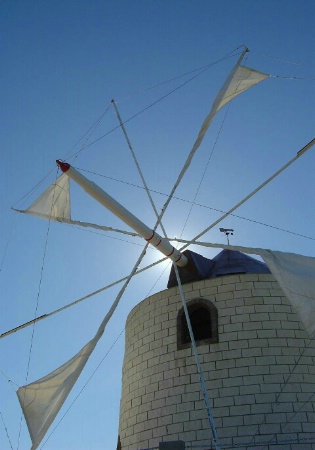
{"x": 62, "y": 63}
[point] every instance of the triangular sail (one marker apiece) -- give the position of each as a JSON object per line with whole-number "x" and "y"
{"x": 54, "y": 203}
{"x": 42, "y": 400}
{"x": 240, "y": 79}
{"x": 243, "y": 79}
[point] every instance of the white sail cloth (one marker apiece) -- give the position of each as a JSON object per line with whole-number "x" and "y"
{"x": 54, "y": 203}
{"x": 296, "y": 276}
{"x": 41, "y": 400}
{"x": 240, "y": 79}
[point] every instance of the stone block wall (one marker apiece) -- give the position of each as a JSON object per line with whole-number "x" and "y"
{"x": 260, "y": 377}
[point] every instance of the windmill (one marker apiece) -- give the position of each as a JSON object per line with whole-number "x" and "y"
{"x": 189, "y": 262}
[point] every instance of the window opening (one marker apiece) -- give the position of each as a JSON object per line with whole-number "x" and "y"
{"x": 204, "y": 322}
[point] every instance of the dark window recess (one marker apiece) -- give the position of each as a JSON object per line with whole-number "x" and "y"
{"x": 200, "y": 320}
{"x": 204, "y": 322}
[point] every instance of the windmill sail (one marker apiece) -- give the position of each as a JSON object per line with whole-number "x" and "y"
{"x": 54, "y": 204}
{"x": 240, "y": 79}
{"x": 243, "y": 78}
{"x": 41, "y": 401}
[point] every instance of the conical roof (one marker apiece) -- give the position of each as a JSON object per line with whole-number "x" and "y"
{"x": 227, "y": 262}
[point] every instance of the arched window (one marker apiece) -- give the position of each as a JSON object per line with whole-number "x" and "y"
{"x": 204, "y": 322}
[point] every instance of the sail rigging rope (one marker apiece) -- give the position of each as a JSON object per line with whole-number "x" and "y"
{"x": 83, "y": 387}
{"x": 193, "y": 202}
{"x": 99, "y": 233}
{"x": 294, "y": 63}
{"x": 6, "y": 430}
{"x": 7, "y": 243}
{"x": 262, "y": 185}
{"x": 156, "y": 102}
{"x": 158, "y": 279}
{"x": 33, "y": 189}
{"x": 200, "y": 205}
{"x": 88, "y": 134}
{"x": 9, "y": 380}
{"x": 271, "y": 441}
{"x": 202, "y": 68}
{"x": 292, "y": 78}
{"x": 306, "y": 346}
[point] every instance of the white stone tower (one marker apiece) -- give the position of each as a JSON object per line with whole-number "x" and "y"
{"x": 257, "y": 360}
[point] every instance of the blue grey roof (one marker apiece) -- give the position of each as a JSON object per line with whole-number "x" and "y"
{"x": 227, "y": 262}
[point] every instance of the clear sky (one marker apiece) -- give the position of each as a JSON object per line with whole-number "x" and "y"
{"x": 61, "y": 64}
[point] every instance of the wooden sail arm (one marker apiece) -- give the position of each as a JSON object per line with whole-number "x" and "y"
{"x": 118, "y": 210}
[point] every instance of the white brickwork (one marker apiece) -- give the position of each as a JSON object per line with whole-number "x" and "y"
{"x": 260, "y": 377}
